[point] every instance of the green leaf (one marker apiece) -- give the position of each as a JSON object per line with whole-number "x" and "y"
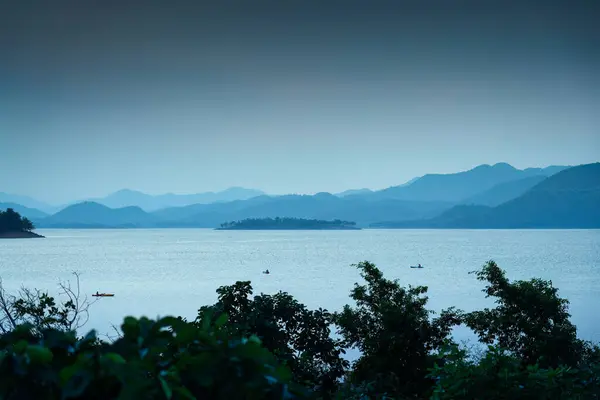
{"x": 20, "y": 346}
{"x": 206, "y": 320}
{"x": 39, "y": 354}
{"x": 222, "y": 320}
{"x": 184, "y": 393}
{"x": 130, "y": 327}
{"x": 165, "y": 387}
{"x": 75, "y": 381}
{"x": 206, "y": 379}
{"x": 254, "y": 339}
{"x": 114, "y": 357}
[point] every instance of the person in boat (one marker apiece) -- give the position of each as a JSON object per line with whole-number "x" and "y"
{"x": 97, "y": 294}
{"x": 266, "y": 272}
{"x": 419, "y": 266}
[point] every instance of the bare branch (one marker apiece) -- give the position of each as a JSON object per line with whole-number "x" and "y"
{"x": 117, "y": 335}
{"x": 78, "y": 305}
{"x": 42, "y": 311}
{"x": 6, "y": 310}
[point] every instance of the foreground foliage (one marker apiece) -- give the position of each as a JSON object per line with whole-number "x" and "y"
{"x": 273, "y": 347}
{"x": 298, "y": 337}
{"x": 168, "y": 358}
{"x": 392, "y": 328}
{"x": 501, "y": 375}
{"x": 41, "y": 311}
{"x": 530, "y": 320}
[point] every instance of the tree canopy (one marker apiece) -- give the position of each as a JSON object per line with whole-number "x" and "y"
{"x": 12, "y": 221}
{"x": 265, "y": 346}
{"x": 288, "y": 223}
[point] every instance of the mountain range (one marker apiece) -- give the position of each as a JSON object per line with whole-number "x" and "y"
{"x": 28, "y": 212}
{"x": 147, "y": 202}
{"x": 569, "y": 199}
{"x": 460, "y": 187}
{"x": 27, "y": 202}
{"x": 486, "y": 196}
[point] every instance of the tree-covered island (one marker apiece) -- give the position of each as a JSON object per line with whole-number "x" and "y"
{"x": 288, "y": 224}
{"x": 14, "y": 226}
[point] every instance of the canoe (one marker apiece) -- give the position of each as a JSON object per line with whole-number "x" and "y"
{"x": 415, "y": 266}
{"x": 103, "y": 295}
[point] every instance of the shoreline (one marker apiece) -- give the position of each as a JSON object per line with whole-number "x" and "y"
{"x": 288, "y": 229}
{"x": 20, "y": 235}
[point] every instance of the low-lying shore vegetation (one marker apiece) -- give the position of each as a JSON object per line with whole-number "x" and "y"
{"x": 288, "y": 224}
{"x": 270, "y": 346}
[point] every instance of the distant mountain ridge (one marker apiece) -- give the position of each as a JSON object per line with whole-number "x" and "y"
{"x": 147, "y": 202}
{"x": 28, "y": 202}
{"x": 504, "y": 191}
{"x": 488, "y": 186}
{"x": 321, "y": 206}
{"x": 569, "y": 199}
{"x": 352, "y": 192}
{"x": 94, "y": 215}
{"x": 459, "y": 186}
{"x": 27, "y": 212}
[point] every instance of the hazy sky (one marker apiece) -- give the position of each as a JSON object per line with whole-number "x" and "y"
{"x": 289, "y": 96}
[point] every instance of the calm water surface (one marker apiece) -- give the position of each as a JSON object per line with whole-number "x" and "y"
{"x": 172, "y": 271}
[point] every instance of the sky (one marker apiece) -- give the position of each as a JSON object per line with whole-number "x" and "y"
{"x": 289, "y": 97}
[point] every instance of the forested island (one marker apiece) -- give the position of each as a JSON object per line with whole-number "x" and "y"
{"x": 288, "y": 224}
{"x": 14, "y": 226}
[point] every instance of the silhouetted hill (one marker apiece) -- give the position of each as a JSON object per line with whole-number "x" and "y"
{"x": 353, "y": 192}
{"x": 322, "y": 206}
{"x": 462, "y": 185}
{"x": 182, "y": 214}
{"x": 94, "y": 215}
{"x": 408, "y": 202}
{"x": 147, "y": 202}
{"x": 27, "y": 212}
{"x": 504, "y": 192}
{"x": 568, "y": 199}
{"x": 26, "y": 201}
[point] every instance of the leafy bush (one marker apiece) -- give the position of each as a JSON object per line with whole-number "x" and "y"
{"x": 392, "y": 328}
{"x": 530, "y": 320}
{"x": 163, "y": 359}
{"x": 298, "y": 337}
{"x": 500, "y": 375}
{"x": 273, "y": 347}
{"x": 41, "y": 311}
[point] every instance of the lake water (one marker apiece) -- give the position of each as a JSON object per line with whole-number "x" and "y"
{"x": 175, "y": 271}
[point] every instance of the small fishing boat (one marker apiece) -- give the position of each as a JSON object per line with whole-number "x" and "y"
{"x": 416, "y": 266}
{"x": 103, "y": 294}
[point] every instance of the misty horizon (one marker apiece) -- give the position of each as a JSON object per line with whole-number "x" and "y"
{"x": 295, "y": 98}
{"x": 228, "y": 188}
